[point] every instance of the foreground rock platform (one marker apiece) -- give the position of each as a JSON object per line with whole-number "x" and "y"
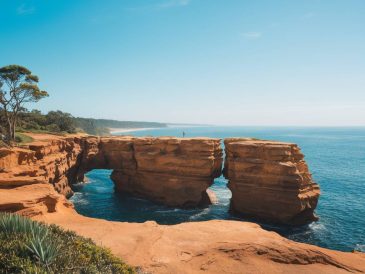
{"x": 195, "y": 247}
{"x": 270, "y": 180}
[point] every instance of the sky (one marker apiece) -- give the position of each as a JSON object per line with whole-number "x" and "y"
{"x": 222, "y": 62}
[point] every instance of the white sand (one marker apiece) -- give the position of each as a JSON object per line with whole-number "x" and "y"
{"x": 124, "y": 130}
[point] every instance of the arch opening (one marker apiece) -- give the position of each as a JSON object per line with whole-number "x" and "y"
{"x": 98, "y": 199}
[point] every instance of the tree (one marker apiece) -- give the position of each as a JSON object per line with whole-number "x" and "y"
{"x": 18, "y": 86}
{"x": 61, "y": 121}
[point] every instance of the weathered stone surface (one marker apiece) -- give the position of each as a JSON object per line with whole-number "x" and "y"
{"x": 168, "y": 170}
{"x": 194, "y": 247}
{"x": 53, "y": 161}
{"x": 172, "y": 171}
{"x": 270, "y": 180}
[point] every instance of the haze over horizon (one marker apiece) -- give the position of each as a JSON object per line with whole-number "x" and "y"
{"x": 215, "y": 62}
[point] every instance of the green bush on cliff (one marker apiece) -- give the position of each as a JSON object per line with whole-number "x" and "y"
{"x": 27, "y": 246}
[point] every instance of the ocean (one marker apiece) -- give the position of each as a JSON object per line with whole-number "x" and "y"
{"x": 336, "y": 158}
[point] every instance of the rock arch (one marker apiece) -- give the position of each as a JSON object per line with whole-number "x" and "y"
{"x": 268, "y": 180}
{"x": 172, "y": 171}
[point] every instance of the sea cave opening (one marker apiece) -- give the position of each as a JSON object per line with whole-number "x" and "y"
{"x": 97, "y": 198}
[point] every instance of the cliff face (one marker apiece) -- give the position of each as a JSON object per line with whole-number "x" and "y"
{"x": 270, "y": 180}
{"x": 172, "y": 171}
{"x": 273, "y": 173}
{"x": 52, "y": 162}
{"x": 193, "y": 247}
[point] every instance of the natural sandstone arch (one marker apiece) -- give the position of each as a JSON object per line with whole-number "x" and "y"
{"x": 268, "y": 180}
{"x": 168, "y": 170}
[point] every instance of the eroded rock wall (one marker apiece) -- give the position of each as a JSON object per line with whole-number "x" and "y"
{"x": 172, "y": 171}
{"x": 53, "y": 162}
{"x": 270, "y": 180}
{"x": 168, "y": 170}
{"x": 216, "y": 246}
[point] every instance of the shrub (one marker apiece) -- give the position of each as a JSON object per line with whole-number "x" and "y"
{"x": 22, "y": 138}
{"x": 27, "y": 246}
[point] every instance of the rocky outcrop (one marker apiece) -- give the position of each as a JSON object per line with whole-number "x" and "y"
{"x": 270, "y": 180}
{"x": 171, "y": 171}
{"x": 29, "y": 177}
{"x": 194, "y": 247}
{"x": 168, "y": 170}
{"x": 52, "y": 162}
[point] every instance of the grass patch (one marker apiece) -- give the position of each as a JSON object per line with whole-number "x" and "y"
{"x": 28, "y": 246}
{"x": 22, "y": 138}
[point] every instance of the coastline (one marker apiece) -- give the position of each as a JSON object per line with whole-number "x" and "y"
{"x": 124, "y": 130}
{"x": 215, "y": 246}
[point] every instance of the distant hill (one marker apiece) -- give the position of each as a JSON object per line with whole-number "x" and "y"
{"x": 59, "y": 122}
{"x": 102, "y": 126}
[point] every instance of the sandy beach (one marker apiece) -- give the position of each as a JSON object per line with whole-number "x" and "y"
{"x": 125, "y": 130}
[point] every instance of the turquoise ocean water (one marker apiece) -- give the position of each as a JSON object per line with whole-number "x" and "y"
{"x": 336, "y": 158}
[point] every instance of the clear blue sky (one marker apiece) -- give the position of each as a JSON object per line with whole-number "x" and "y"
{"x": 231, "y": 62}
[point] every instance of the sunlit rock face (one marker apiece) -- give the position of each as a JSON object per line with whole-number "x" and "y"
{"x": 171, "y": 171}
{"x": 55, "y": 161}
{"x": 271, "y": 176}
{"x": 270, "y": 180}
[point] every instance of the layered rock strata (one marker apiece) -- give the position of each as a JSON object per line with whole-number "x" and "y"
{"x": 52, "y": 162}
{"x": 193, "y": 247}
{"x": 29, "y": 177}
{"x": 270, "y": 180}
{"x": 172, "y": 171}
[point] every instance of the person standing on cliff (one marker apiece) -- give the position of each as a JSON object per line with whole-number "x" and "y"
{"x": 183, "y": 134}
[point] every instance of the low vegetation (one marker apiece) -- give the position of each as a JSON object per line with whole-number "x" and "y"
{"x": 21, "y": 138}
{"x": 27, "y": 246}
{"x": 58, "y": 122}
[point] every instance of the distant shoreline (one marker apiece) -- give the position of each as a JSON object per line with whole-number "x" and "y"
{"x": 124, "y": 130}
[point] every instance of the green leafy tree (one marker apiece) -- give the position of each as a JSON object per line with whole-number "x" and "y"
{"x": 18, "y": 86}
{"x": 61, "y": 121}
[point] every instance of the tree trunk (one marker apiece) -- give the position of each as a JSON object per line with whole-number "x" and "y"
{"x": 13, "y": 132}
{"x": 10, "y": 133}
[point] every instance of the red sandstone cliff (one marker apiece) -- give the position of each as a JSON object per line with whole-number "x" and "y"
{"x": 53, "y": 161}
{"x": 195, "y": 247}
{"x": 270, "y": 180}
{"x": 28, "y": 179}
{"x": 172, "y": 171}
{"x": 168, "y": 170}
